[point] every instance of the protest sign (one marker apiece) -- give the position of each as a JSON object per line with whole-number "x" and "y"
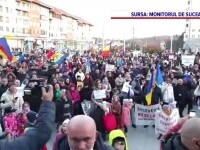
{"x": 145, "y": 115}
{"x": 126, "y": 87}
{"x": 99, "y": 94}
{"x": 171, "y": 56}
{"x": 110, "y": 67}
{"x": 188, "y": 60}
{"x": 164, "y": 122}
{"x": 87, "y": 106}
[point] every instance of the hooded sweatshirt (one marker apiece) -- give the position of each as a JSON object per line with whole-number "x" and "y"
{"x": 117, "y": 133}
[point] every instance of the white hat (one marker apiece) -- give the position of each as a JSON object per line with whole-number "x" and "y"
{"x": 66, "y": 121}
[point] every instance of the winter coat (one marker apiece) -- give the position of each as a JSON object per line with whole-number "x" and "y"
{"x": 34, "y": 139}
{"x": 8, "y": 97}
{"x": 74, "y": 96}
{"x": 58, "y": 138}
{"x": 126, "y": 114}
{"x": 115, "y": 134}
{"x": 174, "y": 143}
{"x": 168, "y": 93}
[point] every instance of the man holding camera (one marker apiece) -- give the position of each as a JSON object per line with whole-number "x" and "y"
{"x": 35, "y": 138}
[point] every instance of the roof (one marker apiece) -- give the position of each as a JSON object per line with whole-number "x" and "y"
{"x": 60, "y": 12}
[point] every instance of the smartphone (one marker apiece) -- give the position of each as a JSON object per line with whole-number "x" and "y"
{"x": 192, "y": 114}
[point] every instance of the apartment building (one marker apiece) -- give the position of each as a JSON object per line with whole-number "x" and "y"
{"x": 8, "y": 21}
{"x": 34, "y": 25}
{"x": 192, "y": 28}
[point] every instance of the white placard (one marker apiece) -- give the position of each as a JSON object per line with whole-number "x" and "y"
{"x": 171, "y": 57}
{"x": 188, "y": 60}
{"x": 164, "y": 122}
{"x": 110, "y": 67}
{"x": 145, "y": 115}
{"x": 99, "y": 94}
{"x": 20, "y": 91}
{"x": 126, "y": 87}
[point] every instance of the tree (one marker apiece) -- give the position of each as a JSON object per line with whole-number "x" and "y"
{"x": 152, "y": 49}
{"x": 176, "y": 43}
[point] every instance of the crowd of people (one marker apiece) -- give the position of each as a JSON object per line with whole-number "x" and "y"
{"x": 27, "y": 112}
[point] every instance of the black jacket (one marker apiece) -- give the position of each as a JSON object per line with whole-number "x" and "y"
{"x": 156, "y": 96}
{"x": 99, "y": 144}
{"x": 174, "y": 143}
{"x": 37, "y": 137}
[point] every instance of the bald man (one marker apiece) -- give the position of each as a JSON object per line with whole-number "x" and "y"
{"x": 82, "y": 135}
{"x": 186, "y": 138}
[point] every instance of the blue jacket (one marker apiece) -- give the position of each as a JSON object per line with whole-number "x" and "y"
{"x": 37, "y": 137}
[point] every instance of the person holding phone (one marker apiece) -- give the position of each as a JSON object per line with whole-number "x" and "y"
{"x": 36, "y": 137}
{"x": 12, "y": 98}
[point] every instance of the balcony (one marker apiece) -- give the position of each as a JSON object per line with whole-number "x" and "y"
{"x": 22, "y": 8}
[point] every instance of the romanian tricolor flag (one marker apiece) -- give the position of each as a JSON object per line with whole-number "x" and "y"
{"x": 59, "y": 58}
{"x": 106, "y": 50}
{"x": 5, "y": 49}
{"x": 149, "y": 90}
{"x": 18, "y": 58}
{"x": 50, "y": 54}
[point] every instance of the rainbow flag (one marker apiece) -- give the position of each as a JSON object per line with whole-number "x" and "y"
{"x": 5, "y": 49}
{"x": 106, "y": 50}
{"x": 148, "y": 95}
{"x": 50, "y": 54}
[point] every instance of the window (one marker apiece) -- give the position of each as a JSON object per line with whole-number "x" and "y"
{"x": 7, "y": 10}
{"x": 13, "y": 30}
{"x": 7, "y": 20}
{"x": 1, "y": 8}
{"x": 25, "y": 22}
{"x": 188, "y": 2}
{"x": 7, "y": 29}
{"x": 193, "y": 36}
{"x": 193, "y": 30}
{"x": 24, "y": 30}
{"x": 18, "y": 12}
{"x": 1, "y": 28}
{"x": 199, "y": 36}
{"x": 1, "y": 18}
{"x": 186, "y": 36}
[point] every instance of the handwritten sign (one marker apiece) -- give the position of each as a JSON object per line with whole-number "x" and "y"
{"x": 188, "y": 60}
{"x": 145, "y": 115}
{"x": 126, "y": 87}
{"x": 164, "y": 122}
{"x": 99, "y": 94}
{"x": 110, "y": 67}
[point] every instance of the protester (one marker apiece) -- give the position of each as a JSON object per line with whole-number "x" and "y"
{"x": 118, "y": 140}
{"x": 36, "y": 138}
{"x": 82, "y": 135}
{"x": 184, "y": 136}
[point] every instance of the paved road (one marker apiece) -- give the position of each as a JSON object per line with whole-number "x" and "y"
{"x": 138, "y": 139}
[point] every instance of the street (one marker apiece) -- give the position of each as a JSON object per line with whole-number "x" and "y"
{"x": 138, "y": 139}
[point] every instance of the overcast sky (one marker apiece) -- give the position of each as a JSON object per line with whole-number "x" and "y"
{"x": 98, "y": 12}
